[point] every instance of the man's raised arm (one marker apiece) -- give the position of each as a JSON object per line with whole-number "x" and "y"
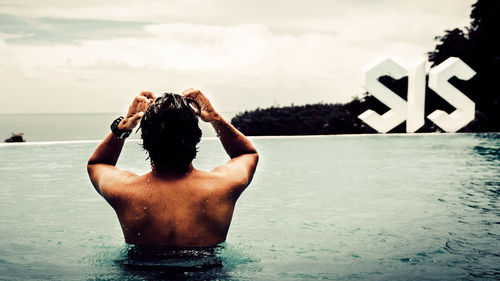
{"x": 104, "y": 158}
{"x": 244, "y": 156}
{"x": 234, "y": 142}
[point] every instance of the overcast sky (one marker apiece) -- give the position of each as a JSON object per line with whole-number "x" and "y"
{"x": 95, "y": 55}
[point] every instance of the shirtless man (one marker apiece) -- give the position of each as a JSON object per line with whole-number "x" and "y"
{"x": 174, "y": 204}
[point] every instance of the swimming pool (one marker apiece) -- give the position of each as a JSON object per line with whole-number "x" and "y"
{"x": 377, "y": 207}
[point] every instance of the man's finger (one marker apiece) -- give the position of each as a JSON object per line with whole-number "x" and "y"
{"x": 140, "y": 100}
{"x": 136, "y": 117}
{"x": 191, "y": 93}
{"x": 187, "y": 90}
{"x": 196, "y": 107}
{"x": 148, "y": 95}
{"x": 135, "y": 103}
{"x": 137, "y": 100}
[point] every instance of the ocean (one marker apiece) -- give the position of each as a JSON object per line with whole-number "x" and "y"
{"x": 369, "y": 207}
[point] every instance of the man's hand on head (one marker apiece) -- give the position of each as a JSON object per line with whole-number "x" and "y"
{"x": 208, "y": 113}
{"x": 136, "y": 110}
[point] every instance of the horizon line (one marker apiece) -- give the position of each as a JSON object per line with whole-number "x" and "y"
{"x": 4, "y": 144}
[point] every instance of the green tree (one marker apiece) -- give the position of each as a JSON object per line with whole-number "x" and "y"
{"x": 479, "y": 47}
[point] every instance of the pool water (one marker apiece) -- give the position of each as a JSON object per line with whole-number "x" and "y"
{"x": 377, "y": 207}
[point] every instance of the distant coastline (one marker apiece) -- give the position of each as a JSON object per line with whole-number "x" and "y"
{"x": 327, "y": 119}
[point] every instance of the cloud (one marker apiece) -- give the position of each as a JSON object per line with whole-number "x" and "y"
{"x": 288, "y": 68}
{"x": 280, "y": 56}
{"x": 176, "y": 47}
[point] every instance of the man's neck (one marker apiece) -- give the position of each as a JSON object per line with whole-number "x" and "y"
{"x": 172, "y": 175}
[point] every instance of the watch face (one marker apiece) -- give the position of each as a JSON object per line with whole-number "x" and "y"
{"x": 124, "y": 135}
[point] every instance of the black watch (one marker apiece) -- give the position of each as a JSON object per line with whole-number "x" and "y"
{"x": 117, "y": 132}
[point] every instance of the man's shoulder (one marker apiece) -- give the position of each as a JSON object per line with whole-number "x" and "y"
{"x": 117, "y": 183}
{"x": 207, "y": 179}
{"x": 215, "y": 176}
{"x": 122, "y": 177}
{"x": 221, "y": 182}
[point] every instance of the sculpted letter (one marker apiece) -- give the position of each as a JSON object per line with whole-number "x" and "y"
{"x": 398, "y": 109}
{"x": 438, "y": 81}
{"x": 416, "y": 98}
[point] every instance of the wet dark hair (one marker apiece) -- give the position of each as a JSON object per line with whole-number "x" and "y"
{"x": 170, "y": 133}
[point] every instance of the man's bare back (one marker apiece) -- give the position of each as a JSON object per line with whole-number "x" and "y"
{"x": 171, "y": 209}
{"x": 192, "y": 211}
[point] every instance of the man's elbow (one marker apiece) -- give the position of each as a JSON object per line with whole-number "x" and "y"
{"x": 91, "y": 164}
{"x": 251, "y": 168}
{"x": 92, "y": 161}
{"x": 256, "y": 156}
{"x": 90, "y": 168}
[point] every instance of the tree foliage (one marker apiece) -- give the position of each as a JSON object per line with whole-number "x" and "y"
{"x": 479, "y": 47}
{"x": 303, "y": 120}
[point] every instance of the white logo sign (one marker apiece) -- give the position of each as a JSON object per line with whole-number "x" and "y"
{"x": 412, "y": 110}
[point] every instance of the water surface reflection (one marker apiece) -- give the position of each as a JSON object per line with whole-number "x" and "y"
{"x": 167, "y": 263}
